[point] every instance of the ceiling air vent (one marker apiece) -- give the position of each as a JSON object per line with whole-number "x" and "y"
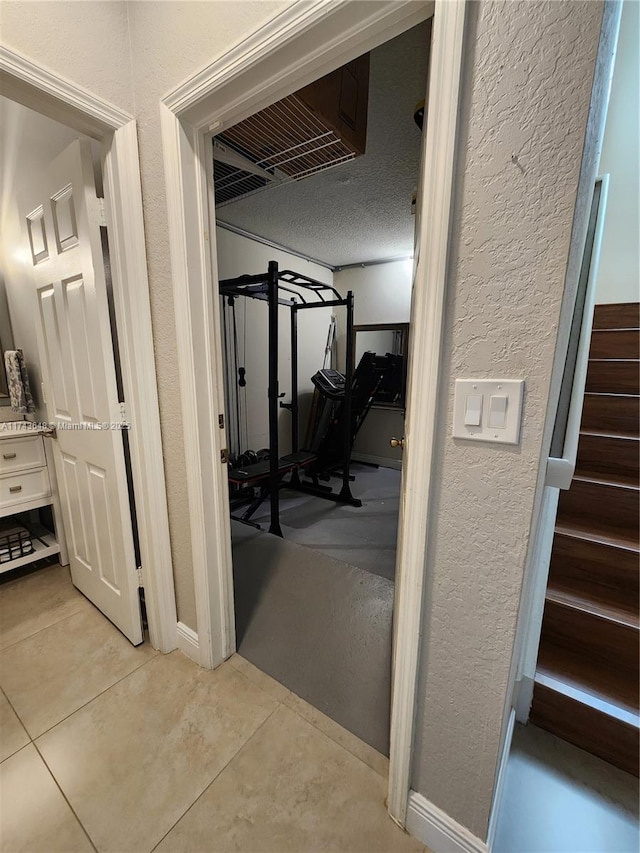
{"x": 314, "y": 129}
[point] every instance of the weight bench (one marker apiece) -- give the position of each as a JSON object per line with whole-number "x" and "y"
{"x": 258, "y": 472}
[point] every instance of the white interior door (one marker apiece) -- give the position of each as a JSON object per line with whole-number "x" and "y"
{"x": 61, "y": 225}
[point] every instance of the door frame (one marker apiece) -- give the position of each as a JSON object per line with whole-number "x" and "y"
{"x": 24, "y": 81}
{"x": 305, "y": 41}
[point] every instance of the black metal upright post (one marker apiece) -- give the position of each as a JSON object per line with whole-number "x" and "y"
{"x": 295, "y": 440}
{"x": 274, "y": 450}
{"x": 345, "y": 492}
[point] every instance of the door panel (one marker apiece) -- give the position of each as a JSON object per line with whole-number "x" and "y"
{"x": 61, "y": 227}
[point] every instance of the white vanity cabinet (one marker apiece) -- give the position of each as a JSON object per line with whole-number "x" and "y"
{"x": 27, "y": 482}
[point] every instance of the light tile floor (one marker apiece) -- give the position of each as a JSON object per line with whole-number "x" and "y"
{"x": 109, "y": 748}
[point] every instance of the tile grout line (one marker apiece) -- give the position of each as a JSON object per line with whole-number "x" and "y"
{"x": 311, "y": 723}
{"x": 89, "y": 701}
{"x": 220, "y": 772}
{"x": 65, "y": 798}
{"x": 51, "y": 625}
{"x": 341, "y": 745}
{"x": 26, "y": 730}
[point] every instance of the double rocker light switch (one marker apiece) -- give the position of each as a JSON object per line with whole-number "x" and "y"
{"x": 488, "y": 410}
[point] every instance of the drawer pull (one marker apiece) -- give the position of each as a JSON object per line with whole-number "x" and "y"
{"x": 9, "y": 455}
{"x": 15, "y": 488}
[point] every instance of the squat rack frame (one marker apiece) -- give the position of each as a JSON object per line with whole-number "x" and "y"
{"x": 312, "y": 294}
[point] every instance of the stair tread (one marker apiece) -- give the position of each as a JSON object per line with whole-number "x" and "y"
{"x": 608, "y": 612}
{"x": 572, "y": 688}
{"x": 589, "y": 536}
{"x": 609, "y": 394}
{"x": 592, "y": 536}
{"x": 617, "y": 435}
{"x": 601, "y": 481}
{"x": 614, "y": 685}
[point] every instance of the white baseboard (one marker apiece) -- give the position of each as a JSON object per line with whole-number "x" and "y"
{"x": 188, "y": 642}
{"x": 440, "y": 832}
{"x": 382, "y": 461}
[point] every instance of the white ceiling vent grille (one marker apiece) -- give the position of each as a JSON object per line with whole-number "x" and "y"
{"x": 284, "y": 142}
{"x": 316, "y": 128}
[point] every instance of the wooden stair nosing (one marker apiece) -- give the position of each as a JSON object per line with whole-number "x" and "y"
{"x": 615, "y": 684}
{"x": 595, "y": 608}
{"x": 600, "y": 481}
{"x": 592, "y": 536}
{"x": 592, "y": 698}
{"x": 611, "y": 739}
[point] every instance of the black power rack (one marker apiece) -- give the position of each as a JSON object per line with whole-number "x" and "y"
{"x": 309, "y": 293}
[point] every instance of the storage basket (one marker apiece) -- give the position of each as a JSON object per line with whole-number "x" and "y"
{"x": 15, "y": 542}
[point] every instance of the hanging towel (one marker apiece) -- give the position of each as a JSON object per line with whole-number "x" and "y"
{"x": 18, "y": 381}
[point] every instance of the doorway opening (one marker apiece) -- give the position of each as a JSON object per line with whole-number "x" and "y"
{"x": 318, "y": 189}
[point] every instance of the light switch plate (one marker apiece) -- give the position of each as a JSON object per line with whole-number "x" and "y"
{"x": 513, "y": 389}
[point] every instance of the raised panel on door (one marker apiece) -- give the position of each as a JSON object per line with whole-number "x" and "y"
{"x": 76, "y": 349}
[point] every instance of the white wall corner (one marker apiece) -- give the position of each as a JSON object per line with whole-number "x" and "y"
{"x": 188, "y": 642}
{"x": 440, "y": 832}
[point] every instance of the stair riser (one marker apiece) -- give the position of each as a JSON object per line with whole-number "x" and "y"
{"x": 613, "y": 377}
{"x": 595, "y": 571}
{"x": 587, "y": 728}
{"x": 601, "y": 641}
{"x": 615, "y": 344}
{"x": 608, "y": 458}
{"x": 600, "y": 508}
{"x": 611, "y": 413}
{"x": 617, "y": 315}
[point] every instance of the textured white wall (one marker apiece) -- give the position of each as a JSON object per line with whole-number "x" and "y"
{"x": 526, "y": 91}
{"x": 171, "y": 41}
{"x": 619, "y": 271}
{"x": 87, "y": 43}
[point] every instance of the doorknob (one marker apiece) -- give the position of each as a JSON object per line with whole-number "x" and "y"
{"x": 397, "y": 442}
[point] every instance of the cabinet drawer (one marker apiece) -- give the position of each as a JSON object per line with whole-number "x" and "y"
{"x": 20, "y": 454}
{"x": 25, "y": 486}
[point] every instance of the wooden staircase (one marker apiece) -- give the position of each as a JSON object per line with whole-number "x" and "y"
{"x": 586, "y": 687}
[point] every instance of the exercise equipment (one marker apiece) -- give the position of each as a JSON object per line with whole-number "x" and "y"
{"x": 297, "y": 292}
{"x": 377, "y": 377}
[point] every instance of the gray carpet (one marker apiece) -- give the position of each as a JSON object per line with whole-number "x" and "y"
{"x": 317, "y": 625}
{"x": 361, "y": 536}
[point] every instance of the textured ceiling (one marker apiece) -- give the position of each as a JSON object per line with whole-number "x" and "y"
{"x": 360, "y": 211}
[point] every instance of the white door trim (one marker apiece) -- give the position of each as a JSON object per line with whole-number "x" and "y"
{"x": 302, "y": 43}
{"x": 35, "y": 87}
